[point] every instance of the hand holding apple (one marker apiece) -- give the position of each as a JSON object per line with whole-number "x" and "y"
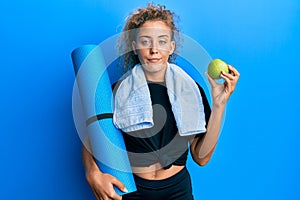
{"x": 221, "y": 91}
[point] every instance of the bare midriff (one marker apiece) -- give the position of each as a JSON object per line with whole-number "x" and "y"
{"x": 156, "y": 171}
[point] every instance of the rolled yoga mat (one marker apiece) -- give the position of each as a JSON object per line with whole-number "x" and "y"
{"x": 107, "y": 144}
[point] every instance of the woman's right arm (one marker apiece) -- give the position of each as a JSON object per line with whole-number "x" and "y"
{"x": 100, "y": 183}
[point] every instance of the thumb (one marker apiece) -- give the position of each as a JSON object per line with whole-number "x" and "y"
{"x": 211, "y": 80}
{"x": 119, "y": 185}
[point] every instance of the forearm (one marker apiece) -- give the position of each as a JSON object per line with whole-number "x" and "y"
{"x": 88, "y": 160}
{"x": 204, "y": 147}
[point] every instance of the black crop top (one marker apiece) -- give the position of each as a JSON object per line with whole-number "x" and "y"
{"x": 161, "y": 143}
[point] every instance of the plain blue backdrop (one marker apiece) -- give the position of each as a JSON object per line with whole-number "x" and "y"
{"x": 257, "y": 156}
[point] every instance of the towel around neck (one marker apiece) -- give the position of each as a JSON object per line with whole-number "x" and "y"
{"x": 133, "y": 106}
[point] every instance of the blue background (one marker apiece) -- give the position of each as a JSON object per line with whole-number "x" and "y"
{"x": 257, "y": 156}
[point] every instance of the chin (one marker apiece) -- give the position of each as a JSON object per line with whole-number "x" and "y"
{"x": 154, "y": 67}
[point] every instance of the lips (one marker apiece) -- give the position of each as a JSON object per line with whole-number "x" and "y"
{"x": 153, "y": 60}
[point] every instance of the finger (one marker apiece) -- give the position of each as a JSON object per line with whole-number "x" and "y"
{"x": 113, "y": 195}
{"x": 109, "y": 197}
{"x": 228, "y": 84}
{"x": 106, "y": 198}
{"x": 98, "y": 197}
{"x": 236, "y": 76}
{"x": 211, "y": 80}
{"x": 234, "y": 70}
{"x": 228, "y": 75}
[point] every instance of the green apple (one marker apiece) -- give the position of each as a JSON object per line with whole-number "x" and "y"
{"x": 215, "y": 68}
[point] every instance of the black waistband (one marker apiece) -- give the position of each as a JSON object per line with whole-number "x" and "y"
{"x": 160, "y": 184}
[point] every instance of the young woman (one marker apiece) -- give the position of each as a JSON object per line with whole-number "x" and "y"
{"x": 158, "y": 152}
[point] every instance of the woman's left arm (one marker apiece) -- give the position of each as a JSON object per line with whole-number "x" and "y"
{"x": 202, "y": 147}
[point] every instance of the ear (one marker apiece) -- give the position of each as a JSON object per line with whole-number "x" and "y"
{"x": 134, "y": 47}
{"x": 173, "y": 45}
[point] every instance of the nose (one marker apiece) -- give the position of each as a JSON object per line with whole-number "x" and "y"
{"x": 153, "y": 49}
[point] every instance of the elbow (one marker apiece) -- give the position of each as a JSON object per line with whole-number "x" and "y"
{"x": 201, "y": 161}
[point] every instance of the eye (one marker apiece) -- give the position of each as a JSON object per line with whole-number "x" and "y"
{"x": 145, "y": 42}
{"x": 162, "y": 42}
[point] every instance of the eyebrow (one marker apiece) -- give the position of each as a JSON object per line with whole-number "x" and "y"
{"x": 150, "y": 36}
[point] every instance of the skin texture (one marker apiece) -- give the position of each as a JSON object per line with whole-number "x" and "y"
{"x": 153, "y": 45}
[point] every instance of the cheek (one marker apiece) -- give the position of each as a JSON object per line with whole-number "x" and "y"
{"x": 165, "y": 54}
{"x": 167, "y": 50}
{"x": 141, "y": 55}
{"x": 142, "y": 52}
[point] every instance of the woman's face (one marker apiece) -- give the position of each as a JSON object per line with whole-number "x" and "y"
{"x": 154, "y": 45}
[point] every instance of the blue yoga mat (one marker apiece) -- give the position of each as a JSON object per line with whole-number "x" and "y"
{"x": 107, "y": 144}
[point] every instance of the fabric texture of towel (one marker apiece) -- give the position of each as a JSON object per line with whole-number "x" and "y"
{"x": 133, "y": 106}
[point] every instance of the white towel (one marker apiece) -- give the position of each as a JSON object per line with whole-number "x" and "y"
{"x": 133, "y": 106}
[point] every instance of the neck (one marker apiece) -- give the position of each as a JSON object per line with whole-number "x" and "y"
{"x": 155, "y": 79}
{"x": 155, "y": 76}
